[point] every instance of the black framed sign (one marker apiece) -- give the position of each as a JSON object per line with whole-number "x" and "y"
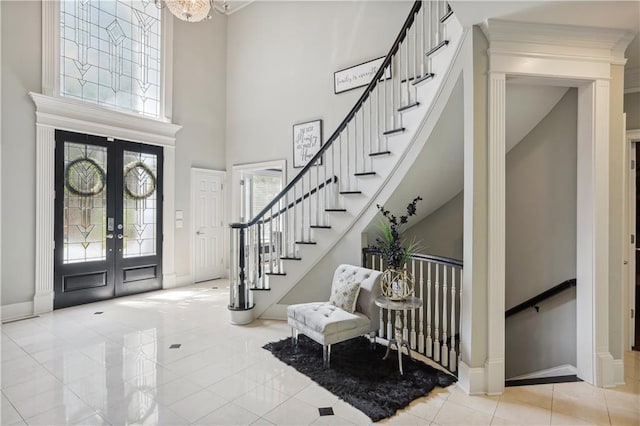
{"x": 307, "y": 140}
{"x": 357, "y": 75}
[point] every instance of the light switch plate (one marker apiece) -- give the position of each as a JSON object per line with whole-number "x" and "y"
{"x": 179, "y": 214}
{"x": 179, "y": 223}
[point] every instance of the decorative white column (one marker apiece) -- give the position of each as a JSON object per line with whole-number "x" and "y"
{"x": 45, "y": 196}
{"x": 496, "y": 233}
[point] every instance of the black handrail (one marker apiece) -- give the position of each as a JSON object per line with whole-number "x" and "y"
{"x": 301, "y": 199}
{"x": 535, "y": 300}
{"x": 417, "y": 256}
{"x": 374, "y": 81}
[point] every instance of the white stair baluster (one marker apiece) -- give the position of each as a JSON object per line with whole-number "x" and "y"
{"x": 436, "y": 317}
{"x": 429, "y": 342}
{"x": 452, "y": 350}
{"x": 412, "y": 336}
{"x": 445, "y": 346}
{"x": 421, "y": 310}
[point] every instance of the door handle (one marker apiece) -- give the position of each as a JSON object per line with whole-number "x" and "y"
{"x": 120, "y": 236}
{"x": 199, "y": 233}
{"x": 109, "y": 236}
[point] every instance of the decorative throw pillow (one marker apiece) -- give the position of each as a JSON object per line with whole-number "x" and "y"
{"x": 345, "y": 295}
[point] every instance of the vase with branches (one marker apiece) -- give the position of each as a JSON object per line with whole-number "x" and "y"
{"x": 397, "y": 283}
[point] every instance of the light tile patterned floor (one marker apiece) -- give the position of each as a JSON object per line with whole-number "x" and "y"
{"x": 73, "y": 366}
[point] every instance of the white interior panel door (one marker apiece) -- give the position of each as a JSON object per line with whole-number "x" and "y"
{"x": 208, "y": 224}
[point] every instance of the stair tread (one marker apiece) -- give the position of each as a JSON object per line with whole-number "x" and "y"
{"x": 275, "y": 273}
{"x": 320, "y": 227}
{"x": 394, "y": 131}
{"x": 365, "y": 174}
{"x": 447, "y": 15}
{"x": 375, "y": 154}
{"x": 259, "y": 289}
{"x": 290, "y": 258}
{"x": 409, "y": 106}
{"x": 424, "y": 78}
{"x": 335, "y": 210}
{"x": 350, "y": 192}
{"x": 437, "y": 47}
{"x": 306, "y": 242}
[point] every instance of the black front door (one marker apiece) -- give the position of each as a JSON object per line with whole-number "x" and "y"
{"x": 108, "y": 218}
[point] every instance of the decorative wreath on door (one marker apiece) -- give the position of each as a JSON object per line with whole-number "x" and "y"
{"x": 84, "y": 177}
{"x": 139, "y": 180}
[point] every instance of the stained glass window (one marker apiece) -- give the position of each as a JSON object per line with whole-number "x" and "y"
{"x": 140, "y": 204}
{"x": 111, "y": 52}
{"x": 85, "y": 202}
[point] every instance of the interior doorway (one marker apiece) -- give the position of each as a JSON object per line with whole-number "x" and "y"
{"x": 108, "y": 218}
{"x": 255, "y": 185}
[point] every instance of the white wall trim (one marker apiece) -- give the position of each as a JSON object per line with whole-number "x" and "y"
{"x": 632, "y": 137}
{"x": 471, "y": 380}
{"x": 496, "y": 243}
{"x": 16, "y": 311}
{"x": 581, "y": 56}
{"x": 618, "y": 372}
{"x": 61, "y": 113}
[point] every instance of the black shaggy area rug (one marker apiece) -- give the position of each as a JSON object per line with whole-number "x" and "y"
{"x": 359, "y": 375}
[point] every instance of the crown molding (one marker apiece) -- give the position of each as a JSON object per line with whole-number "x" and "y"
{"x": 74, "y": 115}
{"x": 558, "y": 40}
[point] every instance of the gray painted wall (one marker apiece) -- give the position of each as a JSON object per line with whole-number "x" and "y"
{"x": 440, "y": 233}
{"x": 541, "y": 241}
{"x": 281, "y": 59}
{"x": 199, "y": 105}
{"x": 21, "y": 73}
{"x": 632, "y": 108}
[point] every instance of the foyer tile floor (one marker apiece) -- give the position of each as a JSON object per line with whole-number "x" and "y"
{"x": 80, "y": 366}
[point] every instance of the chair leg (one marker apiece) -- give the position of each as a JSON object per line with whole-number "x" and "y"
{"x": 372, "y": 339}
{"x": 326, "y": 356}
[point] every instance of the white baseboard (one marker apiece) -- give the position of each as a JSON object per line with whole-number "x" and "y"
{"x": 561, "y": 370}
{"x": 182, "y": 280}
{"x": 471, "y": 380}
{"x": 618, "y": 371}
{"x": 275, "y": 312}
{"x": 16, "y": 311}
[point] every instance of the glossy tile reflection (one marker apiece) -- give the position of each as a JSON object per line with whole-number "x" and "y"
{"x": 123, "y": 367}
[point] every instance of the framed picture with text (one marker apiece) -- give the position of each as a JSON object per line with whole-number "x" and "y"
{"x": 358, "y": 75}
{"x": 307, "y": 140}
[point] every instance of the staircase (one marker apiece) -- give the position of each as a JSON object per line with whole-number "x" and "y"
{"x": 272, "y": 252}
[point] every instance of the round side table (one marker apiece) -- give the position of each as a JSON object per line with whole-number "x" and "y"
{"x": 398, "y": 305}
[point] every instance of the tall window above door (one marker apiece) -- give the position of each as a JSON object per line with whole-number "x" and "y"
{"x": 110, "y": 53}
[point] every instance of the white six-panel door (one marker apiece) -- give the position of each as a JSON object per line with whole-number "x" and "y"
{"x": 207, "y": 224}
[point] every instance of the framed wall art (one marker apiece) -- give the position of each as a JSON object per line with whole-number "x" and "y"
{"x": 357, "y": 75}
{"x": 307, "y": 140}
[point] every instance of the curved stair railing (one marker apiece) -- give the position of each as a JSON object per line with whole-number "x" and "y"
{"x": 432, "y": 330}
{"x": 261, "y": 247}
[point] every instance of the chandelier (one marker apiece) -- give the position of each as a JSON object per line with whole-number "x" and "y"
{"x": 188, "y": 10}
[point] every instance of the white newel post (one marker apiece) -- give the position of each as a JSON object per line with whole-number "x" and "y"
{"x": 496, "y": 233}
{"x": 45, "y": 195}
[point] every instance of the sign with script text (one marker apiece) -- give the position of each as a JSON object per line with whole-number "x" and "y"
{"x": 357, "y": 76}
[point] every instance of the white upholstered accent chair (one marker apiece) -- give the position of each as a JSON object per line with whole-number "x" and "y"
{"x": 328, "y": 324}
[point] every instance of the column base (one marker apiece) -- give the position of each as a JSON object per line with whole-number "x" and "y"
{"x": 471, "y": 380}
{"x": 43, "y": 302}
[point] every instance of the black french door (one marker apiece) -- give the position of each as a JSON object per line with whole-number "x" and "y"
{"x": 108, "y": 218}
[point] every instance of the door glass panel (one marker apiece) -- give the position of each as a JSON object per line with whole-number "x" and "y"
{"x": 85, "y": 202}
{"x": 140, "y": 204}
